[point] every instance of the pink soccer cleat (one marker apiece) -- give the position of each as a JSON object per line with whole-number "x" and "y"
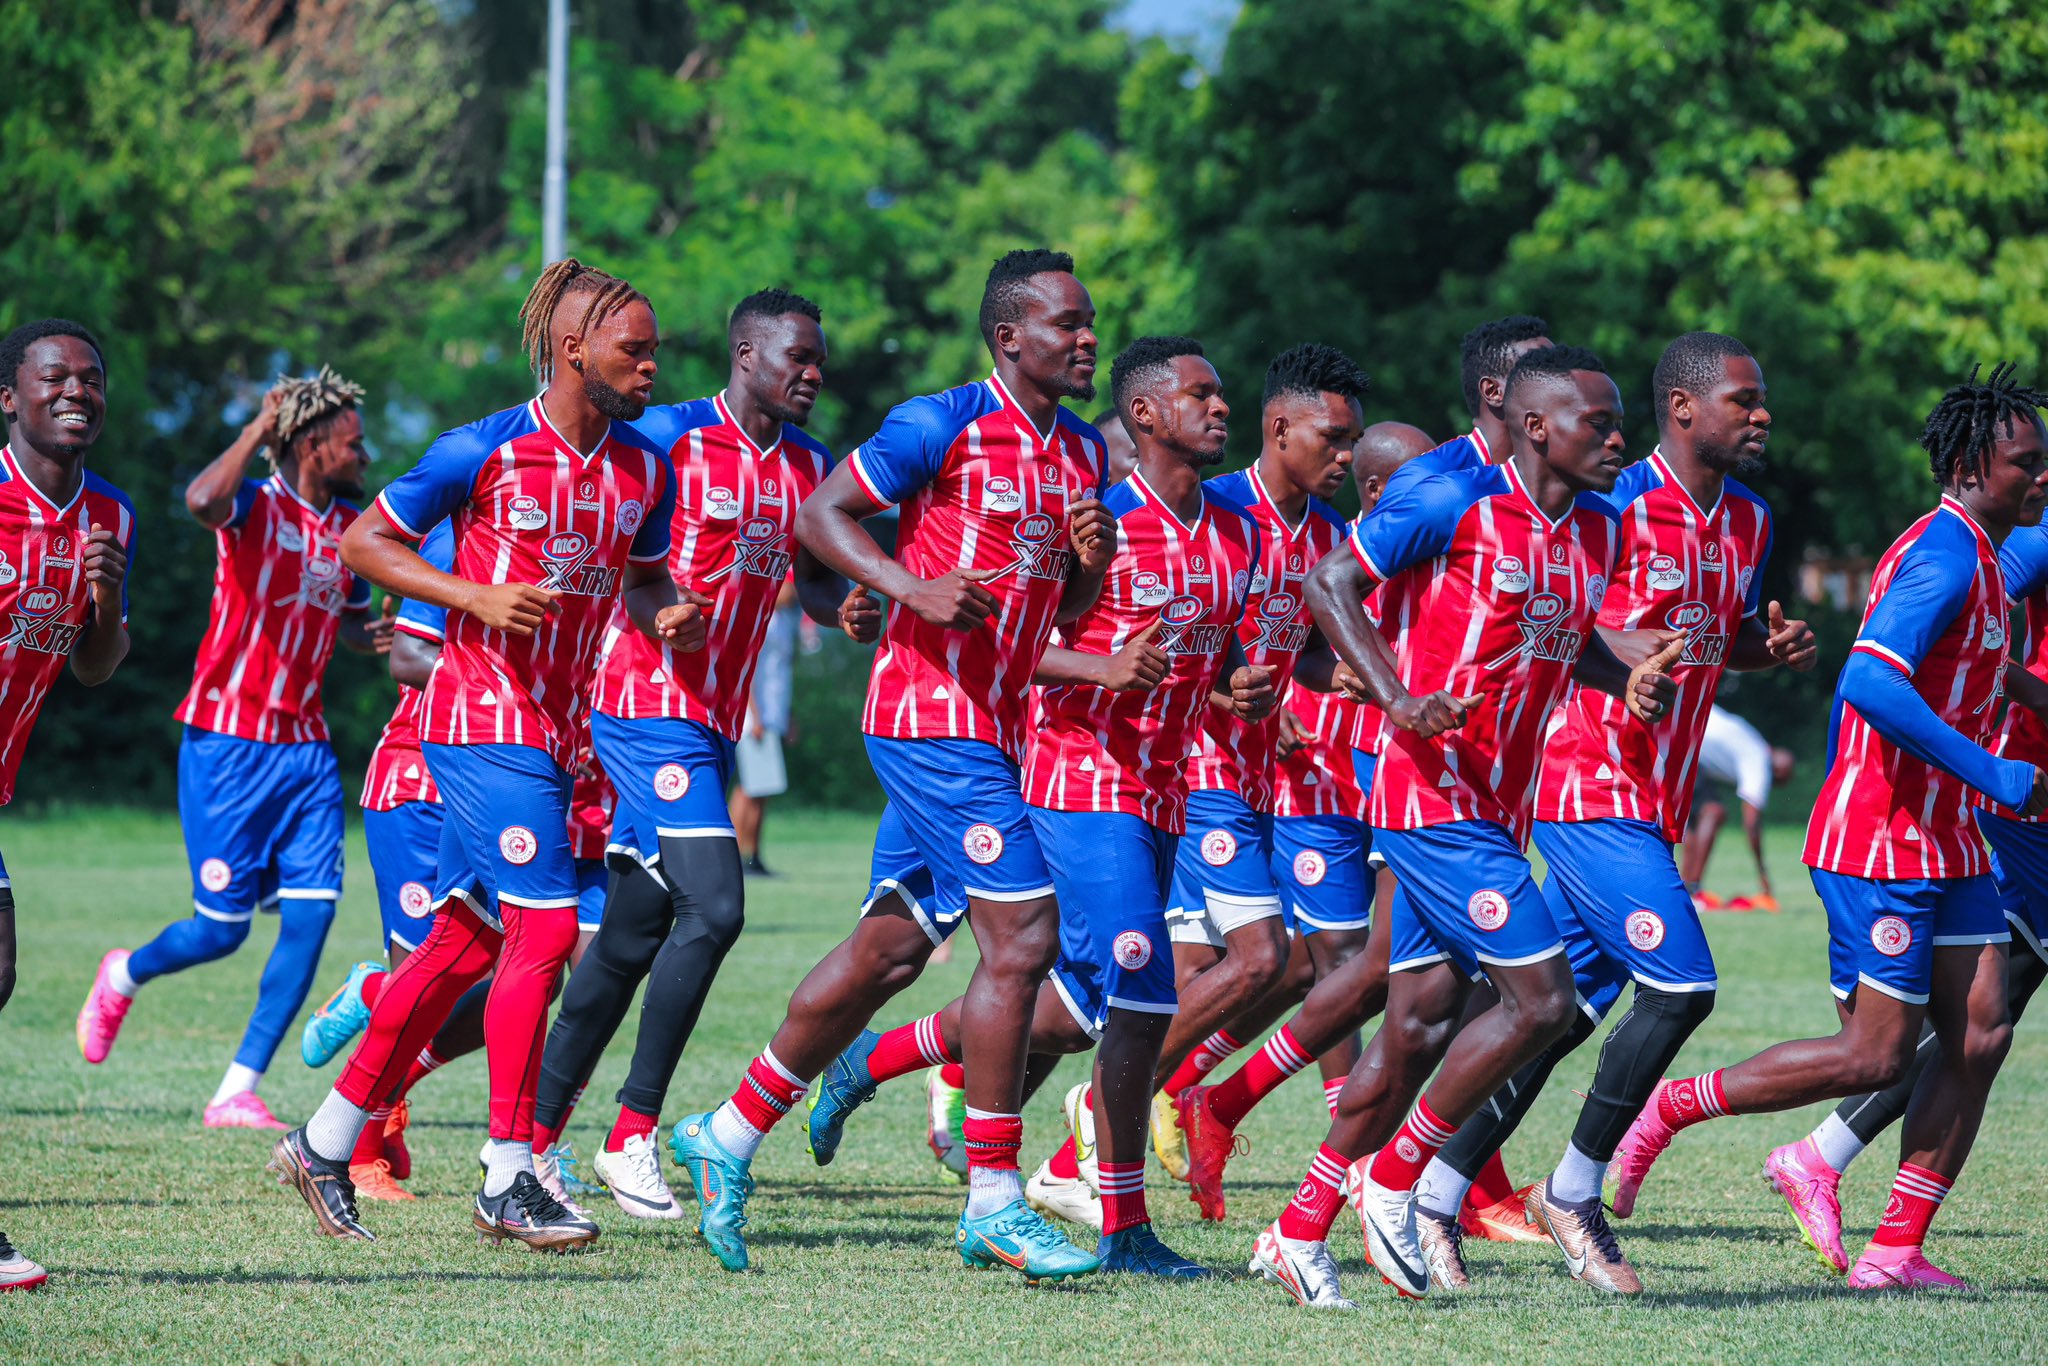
{"x": 1900, "y": 1268}
{"x": 1812, "y": 1188}
{"x": 242, "y": 1110}
{"x": 1641, "y": 1146}
{"x": 99, "y": 1019}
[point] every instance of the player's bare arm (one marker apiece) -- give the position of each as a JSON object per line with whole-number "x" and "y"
{"x": 210, "y": 497}
{"x": 825, "y": 597}
{"x": 1137, "y": 667}
{"x": 1247, "y": 691}
{"x": 365, "y": 632}
{"x": 1315, "y": 668}
{"x": 412, "y": 659}
{"x": 1092, "y": 532}
{"x": 1336, "y": 591}
{"x": 1646, "y": 688}
{"x": 104, "y": 643}
{"x": 1770, "y": 640}
{"x": 660, "y": 610}
{"x": 384, "y": 555}
{"x": 829, "y": 526}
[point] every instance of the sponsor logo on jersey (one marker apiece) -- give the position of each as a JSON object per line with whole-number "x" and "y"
{"x": 1891, "y": 936}
{"x": 525, "y": 513}
{"x": 1994, "y": 629}
{"x": 760, "y": 549}
{"x": 1645, "y": 929}
{"x": 1148, "y": 589}
{"x": 1050, "y": 474}
{"x": 1664, "y": 574}
{"x": 1510, "y": 575}
{"x": 565, "y": 567}
{"x": 32, "y": 623}
{"x": 1544, "y": 635}
{"x": 722, "y": 503}
{"x": 1488, "y": 909}
{"x": 1240, "y": 585}
{"x": 215, "y": 875}
{"x": 983, "y": 843}
{"x": 1703, "y": 645}
{"x": 671, "y": 781}
{"x": 1310, "y": 867}
{"x": 586, "y": 497}
{"x": 1198, "y": 570}
{"x": 517, "y": 844}
{"x": 415, "y": 901}
{"x": 1278, "y": 627}
{"x": 1181, "y": 632}
{"x": 289, "y": 538}
{"x": 999, "y": 493}
{"x": 1260, "y": 579}
{"x": 1710, "y": 558}
{"x": 1596, "y": 591}
{"x": 1218, "y": 848}
{"x": 1131, "y": 950}
{"x": 8, "y": 573}
{"x": 58, "y": 555}
{"x": 1036, "y": 557}
{"x": 323, "y": 586}
{"x": 771, "y": 493}
{"x": 1294, "y": 563}
{"x": 631, "y": 514}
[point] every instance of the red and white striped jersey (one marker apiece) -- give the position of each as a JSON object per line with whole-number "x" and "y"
{"x": 980, "y": 488}
{"x": 1683, "y": 569}
{"x": 1320, "y": 779}
{"x": 1502, "y": 599}
{"x": 1232, "y": 755}
{"x": 527, "y": 507}
{"x": 44, "y": 593}
{"x": 1937, "y": 613}
{"x": 733, "y": 542}
{"x": 1098, "y": 750}
{"x": 397, "y": 773}
{"x": 2023, "y": 561}
{"x": 279, "y": 589}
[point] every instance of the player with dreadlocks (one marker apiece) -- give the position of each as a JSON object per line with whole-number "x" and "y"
{"x": 559, "y": 510}
{"x": 1916, "y": 933}
{"x": 259, "y": 793}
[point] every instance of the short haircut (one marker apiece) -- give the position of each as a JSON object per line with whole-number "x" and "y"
{"x": 1485, "y": 351}
{"x": 1313, "y": 369}
{"x": 771, "y": 303}
{"x": 1695, "y": 363}
{"x": 1142, "y": 360}
{"x": 1965, "y": 425}
{"x": 1002, "y": 298}
{"x": 1551, "y": 362}
{"x": 14, "y": 348}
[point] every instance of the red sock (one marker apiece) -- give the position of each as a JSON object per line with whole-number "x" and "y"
{"x": 766, "y": 1092}
{"x": 544, "y": 1136}
{"x": 992, "y": 1140}
{"x": 427, "y": 1061}
{"x": 1231, "y": 1099}
{"x": 373, "y": 987}
{"x": 1916, "y": 1195}
{"x": 1332, "y": 1090}
{"x": 954, "y": 1075}
{"x": 909, "y": 1048}
{"x": 1491, "y": 1186}
{"x": 1066, "y": 1163}
{"x": 370, "y": 1143}
{"x": 1683, "y": 1104}
{"x": 1316, "y": 1202}
{"x": 1123, "y": 1195}
{"x": 1197, "y": 1066}
{"x": 1398, "y": 1166}
{"x": 631, "y": 1124}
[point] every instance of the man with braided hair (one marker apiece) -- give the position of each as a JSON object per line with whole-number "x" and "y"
{"x": 1916, "y": 932}
{"x": 259, "y": 793}
{"x": 560, "y": 511}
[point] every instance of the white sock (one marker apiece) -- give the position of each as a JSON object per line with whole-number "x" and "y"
{"x": 991, "y": 1188}
{"x": 503, "y": 1161}
{"x": 734, "y": 1134}
{"x": 334, "y": 1128}
{"x": 119, "y": 980}
{"x": 1577, "y": 1178}
{"x": 1837, "y": 1142}
{"x": 1442, "y": 1189}
{"x": 238, "y": 1080}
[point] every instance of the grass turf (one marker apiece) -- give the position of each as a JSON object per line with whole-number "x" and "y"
{"x": 167, "y": 1240}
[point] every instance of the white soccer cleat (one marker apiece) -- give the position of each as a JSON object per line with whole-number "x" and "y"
{"x": 1304, "y": 1269}
{"x": 547, "y": 1170}
{"x": 1063, "y": 1197}
{"x": 1387, "y": 1218}
{"x": 1081, "y": 1124}
{"x": 635, "y": 1181}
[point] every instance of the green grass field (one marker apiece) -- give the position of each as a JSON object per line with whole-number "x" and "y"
{"x": 168, "y": 1241}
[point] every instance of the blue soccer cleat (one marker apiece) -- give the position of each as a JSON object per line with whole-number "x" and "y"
{"x": 339, "y": 1019}
{"x": 1138, "y": 1251}
{"x": 846, "y": 1086}
{"x": 1018, "y": 1237}
{"x": 722, "y": 1183}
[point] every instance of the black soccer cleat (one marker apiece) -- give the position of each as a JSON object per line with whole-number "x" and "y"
{"x": 324, "y": 1186}
{"x": 526, "y": 1213}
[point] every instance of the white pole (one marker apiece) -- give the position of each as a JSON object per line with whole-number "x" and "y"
{"x": 554, "y": 213}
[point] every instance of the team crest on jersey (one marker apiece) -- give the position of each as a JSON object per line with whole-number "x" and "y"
{"x": 1510, "y": 575}
{"x": 1664, "y": 574}
{"x": 1031, "y": 541}
{"x": 1148, "y": 589}
{"x": 565, "y": 567}
{"x": 999, "y": 493}
{"x": 759, "y": 549}
{"x": 1645, "y": 929}
{"x": 631, "y": 514}
{"x": 1544, "y": 635}
{"x": 58, "y": 556}
{"x": 1131, "y": 950}
{"x": 415, "y": 901}
{"x": 1994, "y": 629}
{"x": 1183, "y": 633}
{"x": 1278, "y": 629}
{"x": 1310, "y": 867}
{"x": 1742, "y": 581}
{"x": 982, "y": 843}
{"x": 1891, "y": 936}
{"x": 1702, "y": 644}
{"x": 1488, "y": 909}
{"x": 290, "y": 538}
{"x": 722, "y": 503}
{"x": 671, "y": 781}
{"x": 1710, "y": 558}
{"x": 1596, "y": 590}
{"x": 586, "y": 496}
{"x": 1240, "y": 585}
{"x": 32, "y": 623}
{"x": 215, "y": 875}
{"x": 525, "y": 513}
{"x": 8, "y": 573}
{"x": 517, "y": 844}
{"x": 1218, "y": 848}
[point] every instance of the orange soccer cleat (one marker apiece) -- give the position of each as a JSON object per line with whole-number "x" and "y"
{"x": 374, "y": 1181}
{"x": 1505, "y": 1222}
{"x": 395, "y": 1151}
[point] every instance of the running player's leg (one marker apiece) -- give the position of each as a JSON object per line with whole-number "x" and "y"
{"x": 638, "y": 915}
{"x": 17, "y": 1271}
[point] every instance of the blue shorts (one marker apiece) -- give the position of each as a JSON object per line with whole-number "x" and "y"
{"x": 1112, "y": 870}
{"x": 1364, "y": 763}
{"x": 1624, "y": 912}
{"x": 261, "y": 822}
{"x": 1223, "y": 874}
{"x": 505, "y": 843}
{"x": 1883, "y": 933}
{"x": 1467, "y": 897}
{"x": 671, "y": 777}
{"x": 404, "y": 843}
{"x": 592, "y": 881}
{"x": 2019, "y": 867}
{"x": 959, "y": 804}
{"x": 1319, "y": 865}
{"x": 898, "y": 867}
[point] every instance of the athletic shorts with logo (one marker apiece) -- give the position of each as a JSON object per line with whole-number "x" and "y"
{"x": 1112, "y": 871}
{"x": 1319, "y": 865}
{"x": 261, "y": 821}
{"x": 505, "y": 842}
{"x": 1467, "y": 898}
{"x": 2019, "y": 869}
{"x": 1882, "y": 933}
{"x": 1622, "y": 909}
{"x": 1223, "y": 874}
{"x": 404, "y": 844}
{"x": 670, "y": 776}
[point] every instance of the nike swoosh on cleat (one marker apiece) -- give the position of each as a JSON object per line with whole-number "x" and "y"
{"x": 1577, "y": 1264}
{"x": 1016, "y": 1259}
{"x": 638, "y": 1200}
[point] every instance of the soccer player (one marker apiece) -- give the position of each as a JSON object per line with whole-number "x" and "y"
{"x": 1613, "y": 793}
{"x": 559, "y": 508}
{"x": 1508, "y": 567}
{"x": 1734, "y": 755}
{"x": 66, "y": 536}
{"x": 1001, "y": 534}
{"x": 1916, "y": 934}
{"x": 666, "y": 724}
{"x": 1486, "y": 357}
{"x": 259, "y": 793}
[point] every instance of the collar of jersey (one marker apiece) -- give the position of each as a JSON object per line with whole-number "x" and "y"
{"x": 1671, "y": 480}
{"x": 718, "y": 401}
{"x": 1145, "y": 490}
{"x": 1515, "y": 483}
{"x": 540, "y": 415}
{"x": 1042, "y": 441}
{"x": 15, "y": 472}
{"x": 1294, "y": 529}
{"x": 1478, "y": 438}
{"x": 293, "y": 494}
{"x": 1955, "y": 505}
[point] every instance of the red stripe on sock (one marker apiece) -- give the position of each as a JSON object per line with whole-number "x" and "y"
{"x": 1316, "y": 1202}
{"x": 1683, "y": 1104}
{"x": 765, "y": 1095}
{"x": 1123, "y": 1195}
{"x": 909, "y": 1048}
{"x": 1233, "y": 1098}
{"x": 1399, "y": 1165}
{"x": 1916, "y": 1194}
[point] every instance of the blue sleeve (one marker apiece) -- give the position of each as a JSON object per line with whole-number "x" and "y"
{"x": 909, "y": 450}
{"x": 1411, "y": 525}
{"x": 245, "y": 499}
{"x": 1887, "y": 700}
{"x": 1922, "y": 599}
{"x": 651, "y": 541}
{"x": 1753, "y": 600}
{"x": 2023, "y": 560}
{"x": 425, "y": 619}
{"x": 440, "y": 483}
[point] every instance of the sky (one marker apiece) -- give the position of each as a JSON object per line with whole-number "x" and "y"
{"x": 1206, "y": 21}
